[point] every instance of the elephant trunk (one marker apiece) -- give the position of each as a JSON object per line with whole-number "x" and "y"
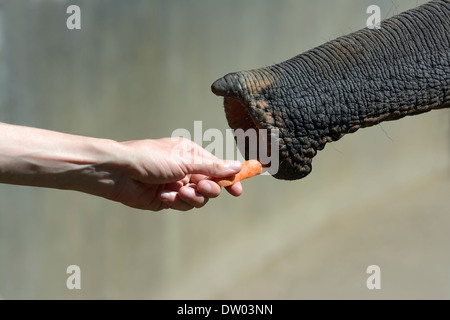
{"x": 352, "y": 82}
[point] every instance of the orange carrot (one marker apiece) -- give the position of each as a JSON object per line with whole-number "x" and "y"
{"x": 250, "y": 169}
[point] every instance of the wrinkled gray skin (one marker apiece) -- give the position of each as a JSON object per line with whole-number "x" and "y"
{"x": 355, "y": 81}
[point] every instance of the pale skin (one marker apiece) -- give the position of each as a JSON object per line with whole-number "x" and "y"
{"x": 144, "y": 174}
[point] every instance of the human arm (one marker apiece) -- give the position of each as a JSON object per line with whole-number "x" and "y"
{"x": 144, "y": 174}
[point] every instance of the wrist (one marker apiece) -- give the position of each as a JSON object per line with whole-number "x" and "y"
{"x": 95, "y": 168}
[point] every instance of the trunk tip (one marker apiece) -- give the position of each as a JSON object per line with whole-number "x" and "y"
{"x": 220, "y": 87}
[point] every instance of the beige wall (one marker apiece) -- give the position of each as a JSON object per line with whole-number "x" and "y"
{"x": 140, "y": 69}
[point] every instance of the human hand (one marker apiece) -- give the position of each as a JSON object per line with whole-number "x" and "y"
{"x": 169, "y": 173}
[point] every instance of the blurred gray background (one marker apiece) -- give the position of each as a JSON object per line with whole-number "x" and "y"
{"x": 140, "y": 69}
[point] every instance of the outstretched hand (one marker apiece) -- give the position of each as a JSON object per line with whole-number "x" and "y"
{"x": 171, "y": 173}
{"x": 145, "y": 174}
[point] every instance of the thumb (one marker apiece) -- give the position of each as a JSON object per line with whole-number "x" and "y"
{"x": 214, "y": 167}
{"x": 198, "y": 160}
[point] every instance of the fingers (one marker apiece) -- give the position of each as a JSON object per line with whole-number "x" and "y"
{"x": 183, "y": 199}
{"x": 191, "y": 196}
{"x": 208, "y": 188}
{"x": 194, "y": 196}
{"x": 172, "y": 200}
{"x": 235, "y": 189}
{"x": 193, "y": 191}
{"x": 211, "y": 189}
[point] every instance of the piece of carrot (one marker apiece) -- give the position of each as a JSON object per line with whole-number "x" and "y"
{"x": 250, "y": 169}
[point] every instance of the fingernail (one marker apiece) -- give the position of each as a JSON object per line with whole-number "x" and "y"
{"x": 207, "y": 188}
{"x": 164, "y": 196}
{"x": 190, "y": 192}
{"x": 233, "y": 165}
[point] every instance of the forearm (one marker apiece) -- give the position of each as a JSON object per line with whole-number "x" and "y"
{"x": 143, "y": 174}
{"x": 36, "y": 157}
